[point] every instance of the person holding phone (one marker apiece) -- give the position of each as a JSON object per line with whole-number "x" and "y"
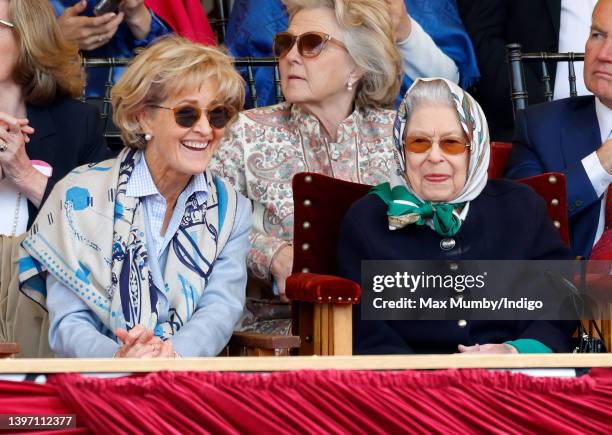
{"x": 119, "y": 27}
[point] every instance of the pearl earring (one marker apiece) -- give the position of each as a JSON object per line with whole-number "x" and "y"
{"x": 349, "y": 85}
{"x": 148, "y": 137}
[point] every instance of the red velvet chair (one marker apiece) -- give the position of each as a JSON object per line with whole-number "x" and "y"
{"x": 322, "y": 302}
{"x": 500, "y": 153}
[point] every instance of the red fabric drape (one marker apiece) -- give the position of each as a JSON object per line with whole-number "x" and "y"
{"x": 186, "y": 17}
{"x": 472, "y": 401}
{"x": 603, "y": 248}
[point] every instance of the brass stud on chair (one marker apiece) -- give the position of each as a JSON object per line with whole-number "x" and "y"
{"x": 319, "y": 298}
{"x": 308, "y": 178}
{"x": 305, "y": 246}
{"x": 552, "y": 179}
{"x": 349, "y": 299}
{"x": 554, "y": 202}
{"x": 307, "y": 203}
{"x": 329, "y": 298}
{"x": 339, "y": 298}
{"x": 305, "y": 270}
{"x": 306, "y": 225}
{"x": 557, "y": 224}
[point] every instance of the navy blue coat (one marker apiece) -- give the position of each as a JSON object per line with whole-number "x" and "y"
{"x": 507, "y": 221}
{"x": 555, "y": 137}
{"x": 67, "y": 134}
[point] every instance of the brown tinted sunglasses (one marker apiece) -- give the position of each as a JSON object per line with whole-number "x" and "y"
{"x": 422, "y": 144}
{"x": 186, "y": 115}
{"x": 309, "y": 44}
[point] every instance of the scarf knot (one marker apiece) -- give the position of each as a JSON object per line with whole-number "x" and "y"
{"x": 405, "y": 208}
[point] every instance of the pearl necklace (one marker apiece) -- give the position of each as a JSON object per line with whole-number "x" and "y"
{"x": 16, "y": 215}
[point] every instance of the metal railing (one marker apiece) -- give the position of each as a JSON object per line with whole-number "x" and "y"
{"x": 248, "y": 63}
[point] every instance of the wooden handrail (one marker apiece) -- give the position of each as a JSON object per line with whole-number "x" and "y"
{"x": 273, "y": 364}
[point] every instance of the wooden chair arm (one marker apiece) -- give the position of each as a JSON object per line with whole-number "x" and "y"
{"x": 257, "y": 344}
{"x": 8, "y": 350}
{"x": 265, "y": 341}
{"x": 322, "y": 289}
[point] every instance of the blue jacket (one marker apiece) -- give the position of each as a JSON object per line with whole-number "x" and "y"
{"x": 253, "y": 24}
{"x": 121, "y": 45}
{"x": 555, "y": 137}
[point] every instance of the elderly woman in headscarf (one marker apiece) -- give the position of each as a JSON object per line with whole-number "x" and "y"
{"x": 143, "y": 256}
{"x": 440, "y": 206}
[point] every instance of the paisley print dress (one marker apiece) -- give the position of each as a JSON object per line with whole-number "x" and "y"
{"x": 267, "y": 146}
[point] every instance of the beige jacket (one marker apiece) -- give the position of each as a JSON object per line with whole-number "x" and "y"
{"x": 21, "y": 320}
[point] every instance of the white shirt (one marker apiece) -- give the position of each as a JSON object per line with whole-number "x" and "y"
{"x": 14, "y": 209}
{"x": 600, "y": 179}
{"x": 421, "y": 57}
{"x": 574, "y": 30}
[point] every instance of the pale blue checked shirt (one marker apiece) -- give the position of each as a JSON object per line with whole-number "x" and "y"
{"x": 76, "y": 332}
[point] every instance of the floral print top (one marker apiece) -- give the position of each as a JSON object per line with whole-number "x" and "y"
{"x": 267, "y": 146}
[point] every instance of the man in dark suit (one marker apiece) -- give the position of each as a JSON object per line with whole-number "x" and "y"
{"x": 572, "y": 136}
{"x": 538, "y": 25}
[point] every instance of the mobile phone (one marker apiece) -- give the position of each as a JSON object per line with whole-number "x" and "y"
{"x": 105, "y": 6}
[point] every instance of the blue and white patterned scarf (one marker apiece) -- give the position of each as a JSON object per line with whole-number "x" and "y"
{"x": 91, "y": 236}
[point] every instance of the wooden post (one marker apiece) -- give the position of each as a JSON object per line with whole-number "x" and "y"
{"x": 342, "y": 329}
{"x": 332, "y": 330}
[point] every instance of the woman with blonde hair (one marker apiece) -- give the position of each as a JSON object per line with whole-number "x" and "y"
{"x": 340, "y": 71}
{"x": 44, "y": 132}
{"x": 145, "y": 253}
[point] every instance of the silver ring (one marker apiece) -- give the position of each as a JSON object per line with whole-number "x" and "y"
{"x": 3, "y": 146}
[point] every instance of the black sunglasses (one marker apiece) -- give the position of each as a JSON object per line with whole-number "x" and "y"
{"x": 309, "y": 44}
{"x": 186, "y": 115}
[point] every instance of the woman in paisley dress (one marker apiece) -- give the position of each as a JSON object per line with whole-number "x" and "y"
{"x": 143, "y": 256}
{"x": 340, "y": 71}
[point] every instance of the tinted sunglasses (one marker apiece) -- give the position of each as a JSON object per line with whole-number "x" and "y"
{"x": 186, "y": 115}
{"x": 7, "y": 23}
{"x": 421, "y": 144}
{"x": 309, "y": 44}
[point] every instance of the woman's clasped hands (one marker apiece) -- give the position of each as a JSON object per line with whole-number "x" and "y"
{"x": 139, "y": 342}
{"x": 14, "y": 134}
{"x": 488, "y": 348}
